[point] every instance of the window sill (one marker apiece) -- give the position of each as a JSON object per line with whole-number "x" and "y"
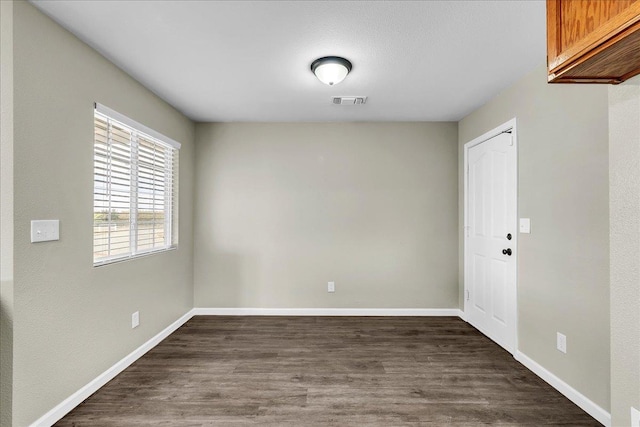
{"x": 133, "y": 257}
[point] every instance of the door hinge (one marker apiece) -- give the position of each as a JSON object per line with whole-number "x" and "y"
{"x": 468, "y": 297}
{"x": 466, "y": 230}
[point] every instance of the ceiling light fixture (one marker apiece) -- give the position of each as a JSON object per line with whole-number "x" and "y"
{"x": 331, "y": 70}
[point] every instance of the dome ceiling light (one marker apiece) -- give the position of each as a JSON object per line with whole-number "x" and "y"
{"x": 331, "y": 70}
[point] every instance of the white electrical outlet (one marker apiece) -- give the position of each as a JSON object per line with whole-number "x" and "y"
{"x": 331, "y": 287}
{"x": 525, "y": 225}
{"x": 561, "y": 342}
{"x": 135, "y": 319}
{"x": 635, "y": 417}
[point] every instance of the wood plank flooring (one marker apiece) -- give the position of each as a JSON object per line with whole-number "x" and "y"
{"x": 338, "y": 371}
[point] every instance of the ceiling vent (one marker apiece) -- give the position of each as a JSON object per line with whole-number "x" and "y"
{"x": 349, "y": 100}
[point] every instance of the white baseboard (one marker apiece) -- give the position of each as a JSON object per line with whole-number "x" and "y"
{"x": 64, "y": 407}
{"x": 327, "y": 312}
{"x": 569, "y": 392}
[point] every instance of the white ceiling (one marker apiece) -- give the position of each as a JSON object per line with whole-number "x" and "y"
{"x": 249, "y": 60}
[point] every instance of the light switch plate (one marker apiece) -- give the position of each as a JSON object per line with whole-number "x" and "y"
{"x": 635, "y": 417}
{"x": 525, "y": 225}
{"x": 45, "y": 230}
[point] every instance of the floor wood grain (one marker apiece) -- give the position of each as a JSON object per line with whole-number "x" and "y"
{"x": 338, "y": 371}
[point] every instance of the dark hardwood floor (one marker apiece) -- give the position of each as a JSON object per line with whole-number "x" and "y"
{"x": 342, "y": 371}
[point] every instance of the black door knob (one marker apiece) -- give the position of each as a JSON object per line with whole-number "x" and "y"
{"x": 507, "y": 251}
{"x": 509, "y": 236}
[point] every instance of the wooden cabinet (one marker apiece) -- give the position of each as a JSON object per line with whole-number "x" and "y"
{"x": 593, "y": 41}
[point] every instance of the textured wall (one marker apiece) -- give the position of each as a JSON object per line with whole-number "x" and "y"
{"x": 624, "y": 179}
{"x": 563, "y": 265}
{"x": 6, "y": 211}
{"x": 73, "y": 321}
{"x": 284, "y": 208}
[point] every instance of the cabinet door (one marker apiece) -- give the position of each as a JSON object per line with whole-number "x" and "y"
{"x": 593, "y": 40}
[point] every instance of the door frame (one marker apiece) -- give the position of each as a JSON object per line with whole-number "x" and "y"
{"x": 510, "y": 125}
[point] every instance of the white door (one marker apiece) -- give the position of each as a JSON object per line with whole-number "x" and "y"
{"x": 490, "y": 238}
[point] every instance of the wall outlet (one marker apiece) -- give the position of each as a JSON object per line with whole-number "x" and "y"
{"x": 635, "y": 417}
{"x": 135, "y": 319}
{"x": 525, "y": 225}
{"x": 561, "y": 343}
{"x": 331, "y": 287}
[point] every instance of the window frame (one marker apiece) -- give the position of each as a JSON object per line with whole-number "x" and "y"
{"x": 138, "y": 132}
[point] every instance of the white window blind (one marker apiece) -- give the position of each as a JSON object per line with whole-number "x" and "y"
{"x": 135, "y": 189}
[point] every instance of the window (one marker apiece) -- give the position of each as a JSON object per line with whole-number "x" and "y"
{"x": 135, "y": 189}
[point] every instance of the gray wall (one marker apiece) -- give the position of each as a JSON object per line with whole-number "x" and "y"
{"x": 563, "y": 265}
{"x": 73, "y": 321}
{"x": 624, "y": 178}
{"x": 6, "y": 210}
{"x": 284, "y": 208}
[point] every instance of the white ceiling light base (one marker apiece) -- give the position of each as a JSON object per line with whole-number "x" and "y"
{"x": 331, "y": 70}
